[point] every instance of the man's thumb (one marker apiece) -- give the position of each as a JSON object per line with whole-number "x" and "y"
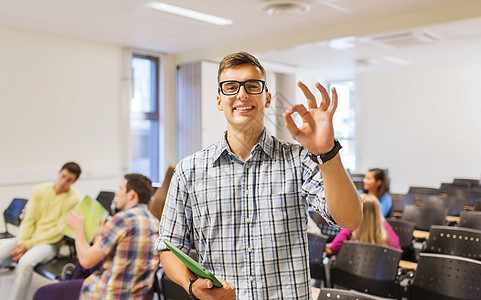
{"x": 205, "y": 283}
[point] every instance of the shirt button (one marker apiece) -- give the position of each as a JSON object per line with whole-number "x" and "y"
{"x": 251, "y": 279}
{"x": 248, "y": 220}
{"x": 247, "y": 166}
{"x": 249, "y": 250}
{"x": 247, "y": 193}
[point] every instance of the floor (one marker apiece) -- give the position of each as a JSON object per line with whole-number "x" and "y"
{"x": 6, "y": 281}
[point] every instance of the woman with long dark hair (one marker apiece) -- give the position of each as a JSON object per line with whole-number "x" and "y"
{"x": 376, "y": 183}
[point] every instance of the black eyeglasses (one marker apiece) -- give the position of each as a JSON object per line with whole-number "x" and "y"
{"x": 232, "y": 87}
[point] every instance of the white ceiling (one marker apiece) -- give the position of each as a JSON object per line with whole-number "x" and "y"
{"x": 298, "y": 41}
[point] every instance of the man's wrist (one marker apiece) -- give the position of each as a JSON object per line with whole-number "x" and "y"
{"x": 323, "y": 158}
{"x": 191, "y": 295}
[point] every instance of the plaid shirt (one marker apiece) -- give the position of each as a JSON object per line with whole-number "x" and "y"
{"x": 247, "y": 220}
{"x": 131, "y": 261}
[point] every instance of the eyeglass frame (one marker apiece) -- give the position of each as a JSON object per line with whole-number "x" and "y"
{"x": 242, "y": 83}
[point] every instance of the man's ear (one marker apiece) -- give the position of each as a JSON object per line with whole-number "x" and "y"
{"x": 219, "y": 106}
{"x": 131, "y": 194}
{"x": 268, "y": 100}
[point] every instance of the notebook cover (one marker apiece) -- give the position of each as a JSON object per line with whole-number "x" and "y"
{"x": 194, "y": 266}
{"x": 93, "y": 213}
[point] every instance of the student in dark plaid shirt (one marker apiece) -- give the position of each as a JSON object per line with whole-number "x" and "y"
{"x": 242, "y": 203}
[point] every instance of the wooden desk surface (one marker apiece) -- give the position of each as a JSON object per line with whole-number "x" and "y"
{"x": 408, "y": 265}
{"x": 419, "y": 234}
{"x": 448, "y": 218}
{"x": 315, "y": 292}
{"x": 452, "y": 219}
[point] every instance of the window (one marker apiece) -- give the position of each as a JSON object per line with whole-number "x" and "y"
{"x": 345, "y": 122}
{"x": 144, "y": 117}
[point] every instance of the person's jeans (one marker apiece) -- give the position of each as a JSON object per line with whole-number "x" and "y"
{"x": 24, "y": 270}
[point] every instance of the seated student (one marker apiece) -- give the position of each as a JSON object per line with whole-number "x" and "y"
{"x": 376, "y": 182}
{"x": 374, "y": 228}
{"x": 127, "y": 246}
{"x": 39, "y": 233}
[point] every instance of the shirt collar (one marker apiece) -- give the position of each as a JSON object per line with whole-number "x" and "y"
{"x": 265, "y": 143}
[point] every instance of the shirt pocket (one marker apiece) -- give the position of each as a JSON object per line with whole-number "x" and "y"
{"x": 279, "y": 209}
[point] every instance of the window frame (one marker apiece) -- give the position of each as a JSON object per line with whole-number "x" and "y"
{"x": 152, "y": 116}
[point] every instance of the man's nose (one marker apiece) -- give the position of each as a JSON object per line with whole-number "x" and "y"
{"x": 242, "y": 91}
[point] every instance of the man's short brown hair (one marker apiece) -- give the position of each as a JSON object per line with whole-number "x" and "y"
{"x": 141, "y": 184}
{"x": 73, "y": 168}
{"x": 238, "y": 59}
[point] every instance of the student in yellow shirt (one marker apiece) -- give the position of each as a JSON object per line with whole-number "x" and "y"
{"x": 40, "y": 229}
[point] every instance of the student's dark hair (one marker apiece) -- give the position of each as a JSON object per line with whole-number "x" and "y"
{"x": 73, "y": 168}
{"x": 238, "y": 59}
{"x": 380, "y": 174}
{"x": 141, "y": 185}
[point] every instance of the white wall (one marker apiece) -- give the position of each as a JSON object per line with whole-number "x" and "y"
{"x": 59, "y": 101}
{"x": 422, "y": 124}
{"x": 65, "y": 99}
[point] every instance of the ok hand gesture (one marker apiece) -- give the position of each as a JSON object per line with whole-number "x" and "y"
{"x": 316, "y": 132}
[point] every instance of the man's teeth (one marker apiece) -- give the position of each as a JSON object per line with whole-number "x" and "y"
{"x": 244, "y": 108}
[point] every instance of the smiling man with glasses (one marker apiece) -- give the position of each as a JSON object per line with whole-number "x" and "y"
{"x": 242, "y": 203}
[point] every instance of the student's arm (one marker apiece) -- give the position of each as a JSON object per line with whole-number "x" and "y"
{"x": 28, "y": 223}
{"x": 173, "y": 220}
{"x": 341, "y": 196}
{"x": 52, "y": 235}
{"x": 201, "y": 288}
{"x": 386, "y": 204}
{"x": 89, "y": 256}
{"x": 176, "y": 269}
{"x": 336, "y": 243}
{"x": 317, "y": 135}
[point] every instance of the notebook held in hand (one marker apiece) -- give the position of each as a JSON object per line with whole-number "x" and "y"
{"x": 194, "y": 266}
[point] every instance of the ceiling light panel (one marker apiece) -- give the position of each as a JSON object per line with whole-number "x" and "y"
{"x": 188, "y": 13}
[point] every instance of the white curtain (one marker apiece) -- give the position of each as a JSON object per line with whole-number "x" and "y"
{"x": 188, "y": 109}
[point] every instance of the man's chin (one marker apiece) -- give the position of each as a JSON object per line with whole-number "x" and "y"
{"x": 60, "y": 190}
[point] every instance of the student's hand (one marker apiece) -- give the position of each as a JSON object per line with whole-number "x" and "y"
{"x": 204, "y": 289}
{"x": 18, "y": 251}
{"x": 316, "y": 132}
{"x": 75, "y": 220}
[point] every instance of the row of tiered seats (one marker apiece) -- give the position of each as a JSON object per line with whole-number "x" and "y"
{"x": 440, "y": 236}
